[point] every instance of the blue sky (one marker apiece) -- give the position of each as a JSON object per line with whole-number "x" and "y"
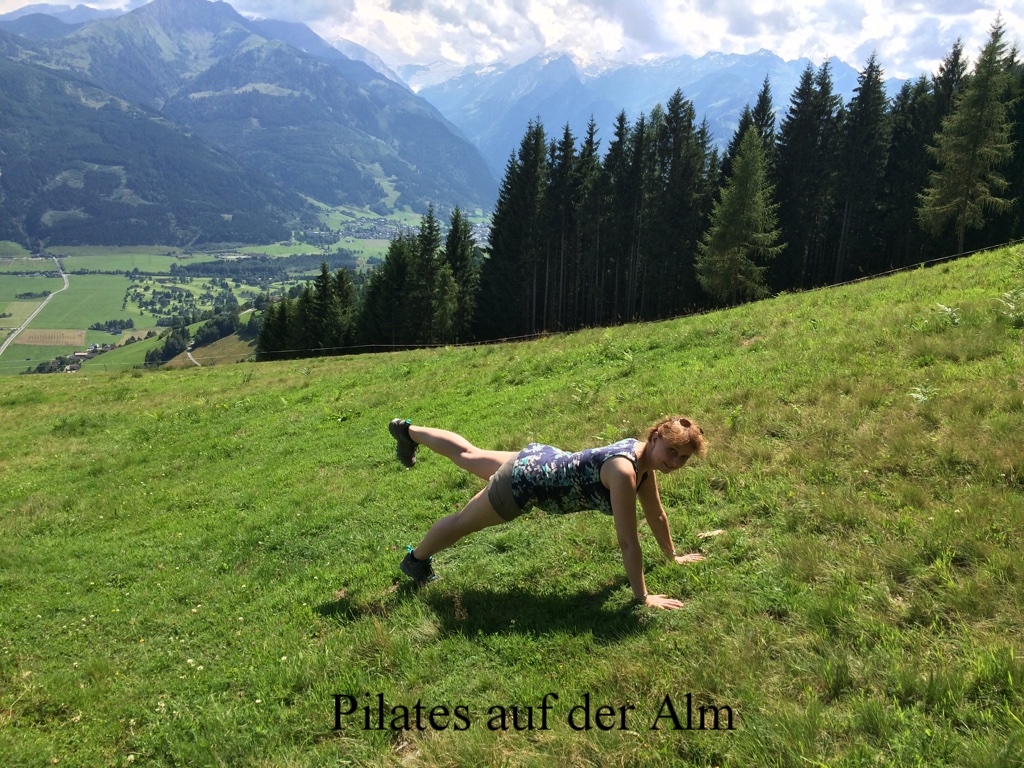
{"x": 910, "y": 37}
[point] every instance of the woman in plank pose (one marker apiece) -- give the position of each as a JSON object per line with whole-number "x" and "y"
{"x": 610, "y": 479}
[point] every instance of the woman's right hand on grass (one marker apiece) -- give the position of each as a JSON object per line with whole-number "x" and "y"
{"x": 663, "y": 601}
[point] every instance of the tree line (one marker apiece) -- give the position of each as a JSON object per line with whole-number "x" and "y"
{"x": 665, "y": 224}
{"x": 662, "y": 223}
{"x": 425, "y": 292}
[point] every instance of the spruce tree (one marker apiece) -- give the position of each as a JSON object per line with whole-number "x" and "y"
{"x": 804, "y": 179}
{"x": 510, "y": 288}
{"x": 383, "y": 317}
{"x": 947, "y": 83}
{"x": 306, "y": 339}
{"x": 560, "y": 253}
{"x": 460, "y": 253}
{"x": 763, "y": 116}
{"x": 266, "y": 343}
{"x": 326, "y": 332}
{"x": 731, "y": 260}
{"x": 906, "y": 174}
{"x": 746, "y": 120}
{"x": 348, "y": 306}
{"x": 970, "y": 148}
{"x": 444, "y": 306}
{"x": 618, "y": 220}
{"x": 588, "y": 183}
{"x": 864, "y": 151}
{"x": 419, "y": 293}
{"x": 1014, "y": 224}
{"x": 682, "y": 181}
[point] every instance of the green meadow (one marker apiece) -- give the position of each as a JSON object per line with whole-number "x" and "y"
{"x": 89, "y": 299}
{"x": 199, "y": 567}
{"x": 16, "y": 264}
{"x": 126, "y": 261}
{"x": 13, "y": 285}
{"x": 11, "y": 250}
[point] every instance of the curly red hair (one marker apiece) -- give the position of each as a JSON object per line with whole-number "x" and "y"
{"x": 680, "y": 432}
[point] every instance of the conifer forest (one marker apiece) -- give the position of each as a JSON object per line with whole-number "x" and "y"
{"x": 656, "y": 221}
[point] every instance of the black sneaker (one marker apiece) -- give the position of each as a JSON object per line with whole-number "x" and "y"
{"x": 406, "y": 450}
{"x": 420, "y": 571}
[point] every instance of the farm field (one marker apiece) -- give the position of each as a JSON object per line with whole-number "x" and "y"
{"x": 149, "y": 263}
{"x": 89, "y": 299}
{"x": 19, "y": 312}
{"x": 19, "y": 358}
{"x": 13, "y": 285}
{"x": 25, "y": 264}
{"x": 367, "y": 249}
{"x": 51, "y": 337}
{"x": 63, "y": 326}
{"x": 200, "y": 566}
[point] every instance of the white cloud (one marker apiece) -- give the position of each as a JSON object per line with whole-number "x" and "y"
{"x": 909, "y": 36}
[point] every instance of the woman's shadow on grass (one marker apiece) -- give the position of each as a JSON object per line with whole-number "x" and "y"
{"x": 506, "y": 611}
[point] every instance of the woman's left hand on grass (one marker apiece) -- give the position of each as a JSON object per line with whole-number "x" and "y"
{"x": 693, "y": 557}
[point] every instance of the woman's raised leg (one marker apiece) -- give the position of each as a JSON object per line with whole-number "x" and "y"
{"x": 463, "y": 453}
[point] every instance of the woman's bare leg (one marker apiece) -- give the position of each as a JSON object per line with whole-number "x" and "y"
{"x": 475, "y": 516}
{"x": 453, "y": 446}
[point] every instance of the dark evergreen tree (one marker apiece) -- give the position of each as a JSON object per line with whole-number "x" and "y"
{"x": 623, "y": 251}
{"x": 683, "y": 180}
{"x": 970, "y": 148}
{"x": 588, "y": 183}
{"x": 763, "y": 116}
{"x": 510, "y": 289}
{"x": 1012, "y": 225}
{"x": 743, "y": 237}
{"x": 862, "y": 158}
{"x": 383, "y": 317}
{"x": 421, "y": 287}
{"x": 804, "y": 180}
{"x": 327, "y": 332}
{"x": 641, "y": 158}
{"x": 746, "y": 120}
{"x": 348, "y": 306}
{"x": 947, "y": 84}
{"x": 460, "y": 253}
{"x": 274, "y": 340}
{"x": 617, "y": 221}
{"x": 902, "y": 241}
{"x": 444, "y": 306}
{"x": 560, "y": 256}
{"x": 306, "y": 340}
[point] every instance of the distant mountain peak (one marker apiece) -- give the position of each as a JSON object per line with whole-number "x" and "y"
{"x": 492, "y": 105}
{"x": 272, "y": 96}
{"x": 78, "y": 14}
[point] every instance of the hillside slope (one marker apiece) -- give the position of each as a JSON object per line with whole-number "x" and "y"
{"x": 196, "y": 562}
{"x": 277, "y": 97}
{"x": 221, "y": 126}
{"x": 80, "y": 166}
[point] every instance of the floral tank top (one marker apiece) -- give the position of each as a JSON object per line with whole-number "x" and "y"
{"x": 559, "y": 482}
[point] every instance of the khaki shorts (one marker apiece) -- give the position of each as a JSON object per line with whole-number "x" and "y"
{"x": 499, "y": 492}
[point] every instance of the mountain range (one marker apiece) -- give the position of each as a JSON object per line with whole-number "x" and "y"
{"x": 289, "y": 118}
{"x": 266, "y": 108}
{"x": 493, "y": 104}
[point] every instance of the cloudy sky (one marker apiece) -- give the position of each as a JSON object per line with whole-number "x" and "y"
{"x": 909, "y": 36}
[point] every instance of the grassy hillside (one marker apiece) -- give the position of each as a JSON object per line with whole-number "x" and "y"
{"x": 195, "y": 562}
